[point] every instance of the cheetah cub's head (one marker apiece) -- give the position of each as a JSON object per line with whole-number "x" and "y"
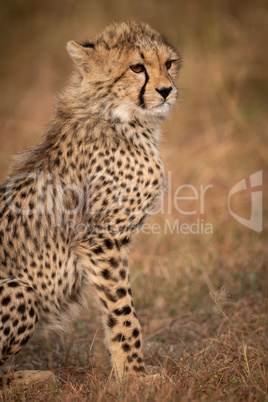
{"x": 127, "y": 70}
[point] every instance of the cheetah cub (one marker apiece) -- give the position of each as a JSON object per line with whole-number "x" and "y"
{"x": 72, "y": 204}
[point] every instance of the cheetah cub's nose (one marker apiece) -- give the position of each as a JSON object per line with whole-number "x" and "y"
{"x": 164, "y": 91}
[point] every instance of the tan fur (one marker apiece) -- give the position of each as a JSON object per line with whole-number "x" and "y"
{"x": 71, "y": 206}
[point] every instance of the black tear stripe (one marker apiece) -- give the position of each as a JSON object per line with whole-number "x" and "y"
{"x": 142, "y": 91}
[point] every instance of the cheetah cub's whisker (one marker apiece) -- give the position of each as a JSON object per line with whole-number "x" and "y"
{"x": 100, "y": 168}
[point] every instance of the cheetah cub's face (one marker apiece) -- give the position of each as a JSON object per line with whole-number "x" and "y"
{"x": 127, "y": 70}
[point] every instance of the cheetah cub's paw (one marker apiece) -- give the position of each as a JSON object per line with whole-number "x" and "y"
{"x": 27, "y": 378}
{"x": 151, "y": 374}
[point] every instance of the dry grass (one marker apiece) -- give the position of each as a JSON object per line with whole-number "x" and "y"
{"x": 202, "y": 299}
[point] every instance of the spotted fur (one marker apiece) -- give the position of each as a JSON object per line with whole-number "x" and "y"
{"x": 71, "y": 205}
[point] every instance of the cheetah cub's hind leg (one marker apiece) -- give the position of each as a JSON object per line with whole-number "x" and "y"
{"x": 18, "y": 319}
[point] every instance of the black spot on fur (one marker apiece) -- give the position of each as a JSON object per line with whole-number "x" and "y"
{"x": 108, "y": 243}
{"x": 125, "y": 347}
{"x": 119, "y": 338}
{"x": 105, "y": 273}
{"x": 123, "y": 311}
{"x": 21, "y": 309}
{"x": 125, "y": 240}
{"x": 98, "y": 250}
{"x": 135, "y": 332}
{"x": 122, "y": 273}
{"x": 5, "y": 318}
{"x": 6, "y": 331}
{"x": 121, "y": 292}
{"x": 25, "y": 340}
{"x": 13, "y": 284}
{"x": 31, "y": 312}
{"x": 5, "y": 301}
{"x": 112, "y": 321}
{"x": 104, "y": 303}
{"x": 114, "y": 263}
{"x": 140, "y": 369}
{"x": 21, "y": 329}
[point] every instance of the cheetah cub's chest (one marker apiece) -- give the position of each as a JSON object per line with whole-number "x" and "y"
{"x": 127, "y": 183}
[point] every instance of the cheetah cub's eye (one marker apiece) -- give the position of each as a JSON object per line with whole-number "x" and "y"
{"x": 137, "y": 68}
{"x": 168, "y": 64}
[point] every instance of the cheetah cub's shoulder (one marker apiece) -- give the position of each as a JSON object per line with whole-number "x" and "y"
{"x": 71, "y": 205}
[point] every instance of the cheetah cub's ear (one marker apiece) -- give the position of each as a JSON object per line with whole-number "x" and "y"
{"x": 80, "y": 53}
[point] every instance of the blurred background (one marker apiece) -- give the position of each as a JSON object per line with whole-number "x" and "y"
{"x": 201, "y": 297}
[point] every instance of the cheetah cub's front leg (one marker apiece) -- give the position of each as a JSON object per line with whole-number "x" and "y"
{"x": 122, "y": 328}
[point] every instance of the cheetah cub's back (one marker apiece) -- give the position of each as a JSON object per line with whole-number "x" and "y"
{"x": 70, "y": 206}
